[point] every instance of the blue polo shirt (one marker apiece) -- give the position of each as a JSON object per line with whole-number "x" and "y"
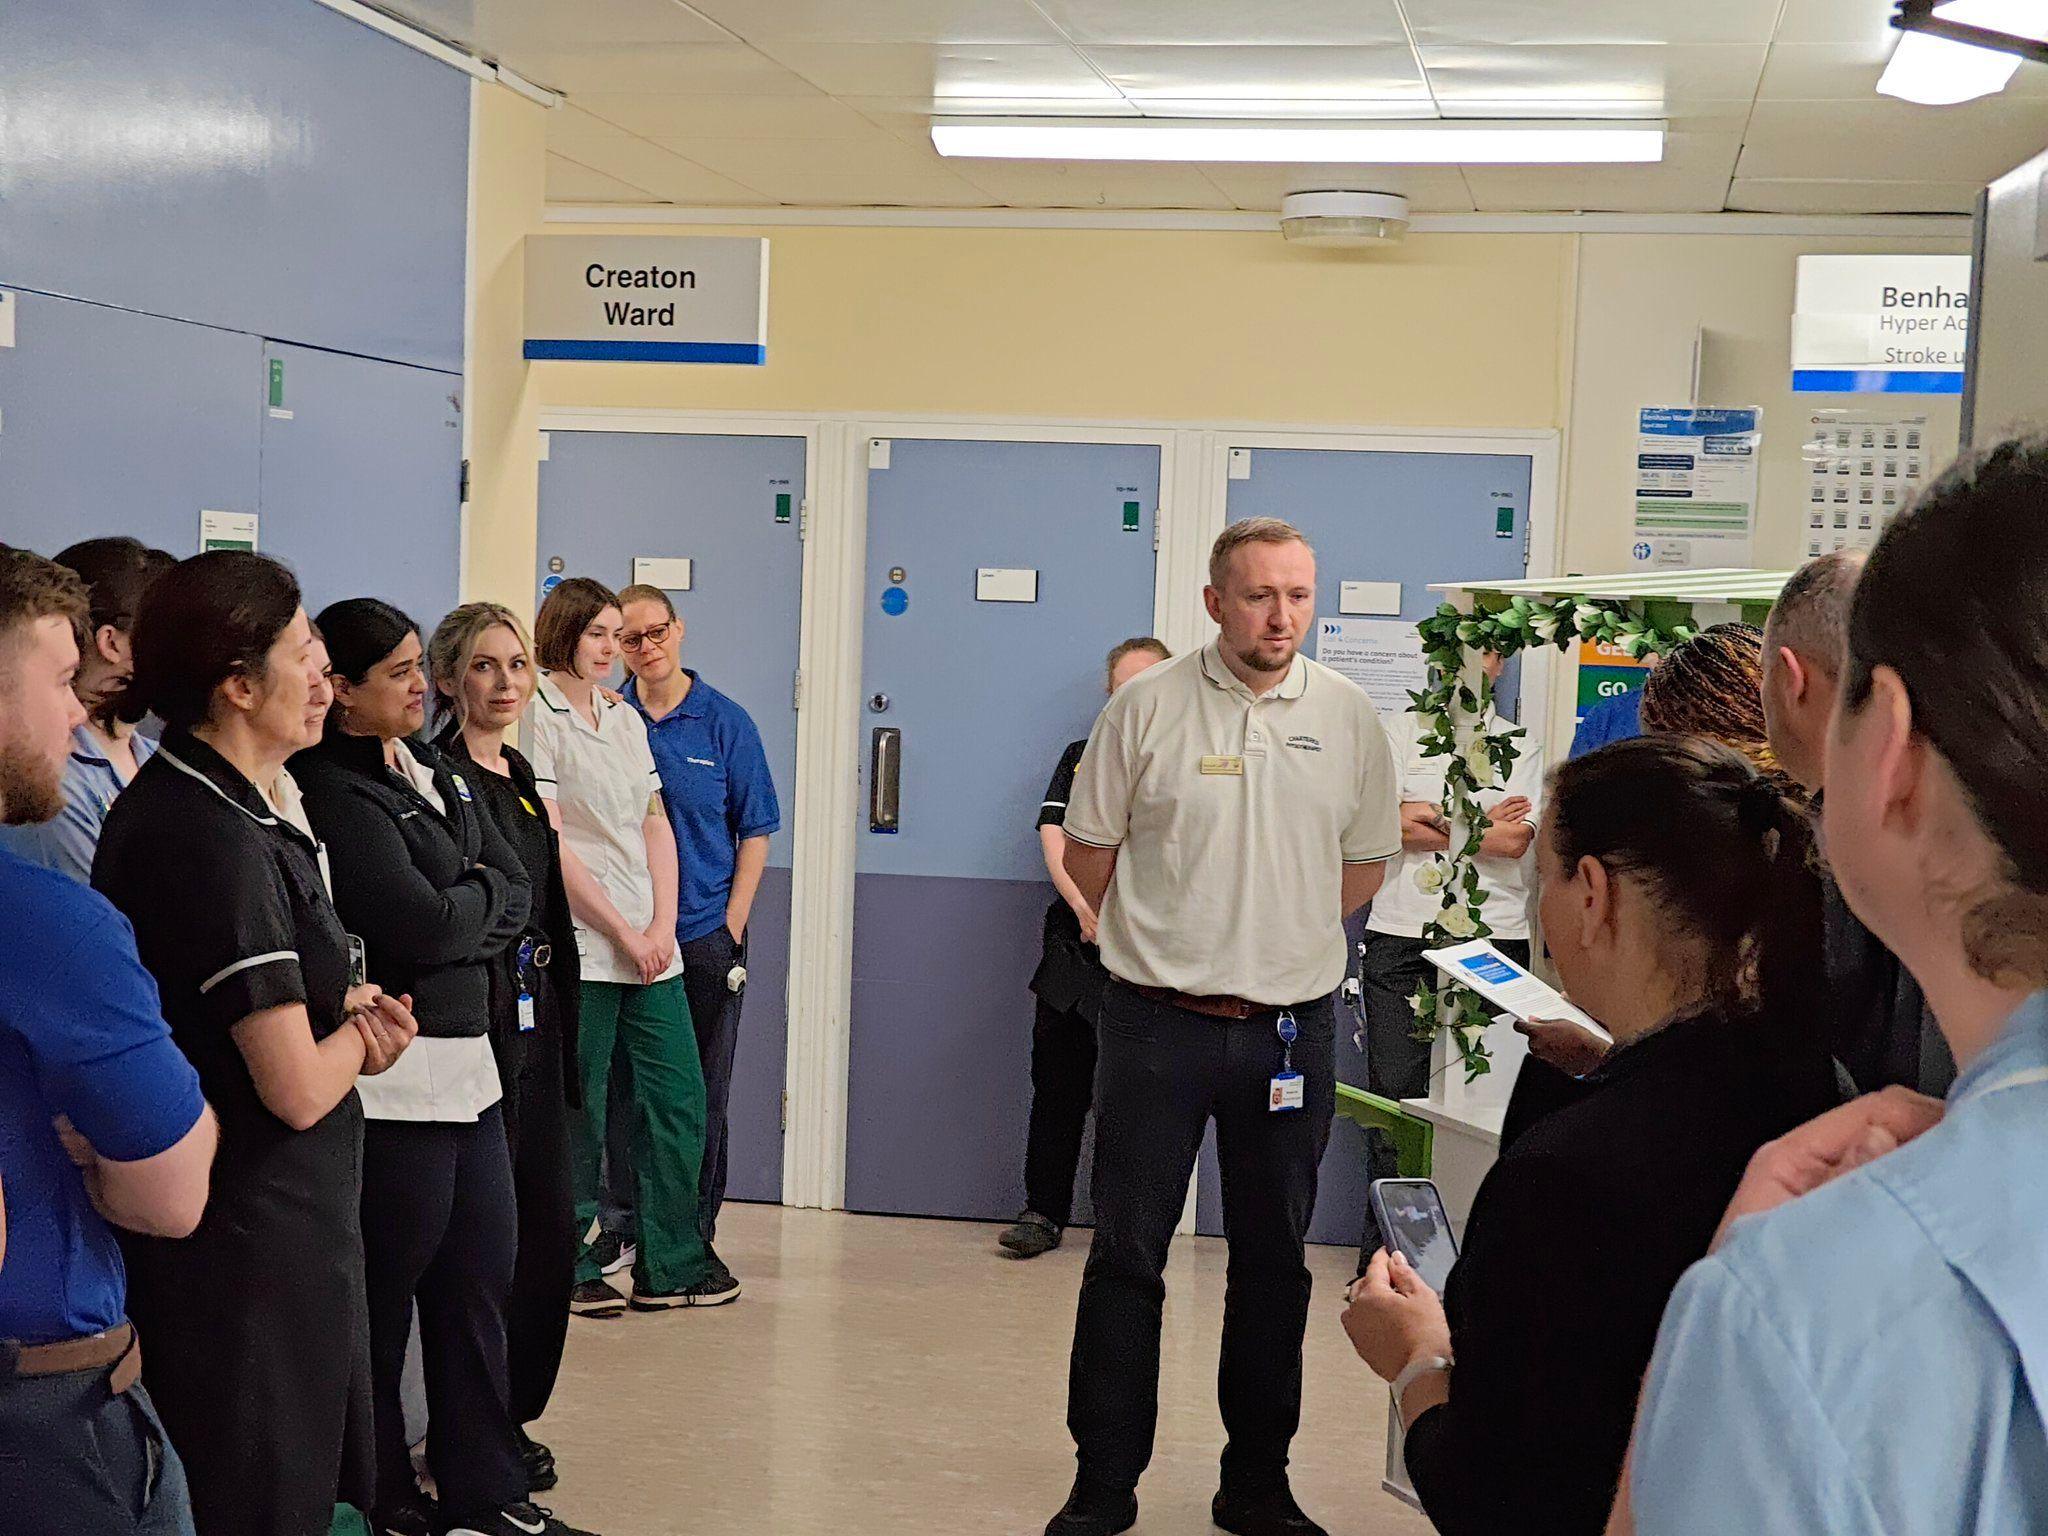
{"x": 1615, "y": 719}
{"x": 67, "y": 843}
{"x": 81, "y": 1034}
{"x": 716, "y": 785}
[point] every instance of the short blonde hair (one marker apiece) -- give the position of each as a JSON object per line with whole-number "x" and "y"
{"x": 1253, "y": 530}
{"x": 641, "y": 592}
{"x": 454, "y": 645}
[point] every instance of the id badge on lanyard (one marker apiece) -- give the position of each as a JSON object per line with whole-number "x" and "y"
{"x": 1286, "y": 1089}
{"x": 528, "y": 1022}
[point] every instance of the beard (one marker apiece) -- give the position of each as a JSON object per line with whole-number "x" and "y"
{"x": 31, "y": 786}
{"x": 1258, "y": 661}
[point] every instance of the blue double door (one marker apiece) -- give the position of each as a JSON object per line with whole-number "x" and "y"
{"x": 113, "y": 422}
{"x": 1379, "y": 517}
{"x": 733, "y": 507}
{"x": 982, "y": 696}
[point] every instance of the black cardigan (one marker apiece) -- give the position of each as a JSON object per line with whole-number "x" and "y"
{"x": 549, "y": 922}
{"x": 435, "y": 896}
{"x": 1576, "y": 1239}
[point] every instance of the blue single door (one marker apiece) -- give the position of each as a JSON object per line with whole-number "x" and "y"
{"x": 1412, "y": 518}
{"x": 733, "y": 507}
{"x": 362, "y": 478}
{"x": 984, "y": 695}
{"x": 113, "y": 422}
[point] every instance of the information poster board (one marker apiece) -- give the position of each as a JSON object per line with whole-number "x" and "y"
{"x": 1382, "y": 656}
{"x": 1861, "y": 471}
{"x": 1696, "y": 477}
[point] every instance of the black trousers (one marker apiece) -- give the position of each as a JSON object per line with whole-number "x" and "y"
{"x": 1162, "y": 1074}
{"x": 77, "y": 1459}
{"x": 536, "y": 1114}
{"x": 440, "y": 1223}
{"x": 715, "y": 1014}
{"x": 1062, "y": 1090}
{"x": 1397, "y": 1064}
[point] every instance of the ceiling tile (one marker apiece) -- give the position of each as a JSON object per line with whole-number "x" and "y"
{"x": 1692, "y": 178}
{"x": 1031, "y": 184}
{"x": 899, "y": 21}
{"x": 663, "y": 117}
{"x": 1055, "y": 73}
{"x": 910, "y": 117}
{"x": 1228, "y": 21}
{"x": 1886, "y": 140}
{"x": 1644, "y": 74}
{"x": 1385, "y": 73}
{"x": 1858, "y": 23}
{"x": 1849, "y": 72}
{"x": 1259, "y": 188}
{"x": 876, "y": 168}
{"x": 569, "y": 182}
{"x": 1752, "y": 195}
{"x": 1492, "y": 22}
{"x": 708, "y": 69}
{"x": 592, "y": 142}
{"x": 1684, "y": 114}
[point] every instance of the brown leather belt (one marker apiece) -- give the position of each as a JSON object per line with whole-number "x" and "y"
{"x": 118, "y": 1348}
{"x": 1214, "y": 1007}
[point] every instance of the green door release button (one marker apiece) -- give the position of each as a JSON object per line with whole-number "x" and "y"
{"x": 1131, "y": 512}
{"x": 782, "y": 506}
{"x": 1503, "y": 522}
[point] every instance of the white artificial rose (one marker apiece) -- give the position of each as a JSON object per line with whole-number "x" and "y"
{"x": 1480, "y": 760}
{"x": 1429, "y": 878}
{"x": 1458, "y": 922}
{"x": 1544, "y": 626}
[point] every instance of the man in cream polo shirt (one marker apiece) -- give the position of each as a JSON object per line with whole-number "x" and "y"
{"x": 1233, "y": 806}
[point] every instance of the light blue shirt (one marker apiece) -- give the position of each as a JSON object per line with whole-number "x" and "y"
{"x": 91, "y": 782}
{"x": 1870, "y": 1360}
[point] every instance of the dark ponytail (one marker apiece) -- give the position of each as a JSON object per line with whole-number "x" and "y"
{"x": 1725, "y": 857}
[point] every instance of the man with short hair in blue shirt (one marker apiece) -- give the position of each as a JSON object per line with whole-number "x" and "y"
{"x": 721, "y": 801}
{"x": 101, "y": 1120}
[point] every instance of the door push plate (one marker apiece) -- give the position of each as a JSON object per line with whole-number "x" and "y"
{"x": 885, "y": 774}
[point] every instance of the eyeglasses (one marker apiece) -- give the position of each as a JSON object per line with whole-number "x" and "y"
{"x": 653, "y": 634}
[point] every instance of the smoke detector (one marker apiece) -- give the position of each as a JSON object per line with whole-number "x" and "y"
{"x": 1353, "y": 219}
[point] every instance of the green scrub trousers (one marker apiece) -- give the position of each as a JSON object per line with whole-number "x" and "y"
{"x": 652, "y": 1023}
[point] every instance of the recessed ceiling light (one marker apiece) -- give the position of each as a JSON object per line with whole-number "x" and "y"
{"x": 1425, "y": 141}
{"x": 1939, "y": 71}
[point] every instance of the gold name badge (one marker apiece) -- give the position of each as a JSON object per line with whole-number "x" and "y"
{"x": 1233, "y": 766}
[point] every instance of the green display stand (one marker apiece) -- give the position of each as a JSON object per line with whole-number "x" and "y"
{"x": 348, "y": 1522}
{"x": 1412, "y": 1137}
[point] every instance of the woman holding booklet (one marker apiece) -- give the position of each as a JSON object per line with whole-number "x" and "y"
{"x": 1679, "y": 908}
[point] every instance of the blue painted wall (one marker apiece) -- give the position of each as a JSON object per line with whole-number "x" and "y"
{"x": 265, "y": 166}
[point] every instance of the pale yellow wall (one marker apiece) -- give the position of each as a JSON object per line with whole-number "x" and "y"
{"x": 1133, "y": 325}
{"x": 1641, "y": 299}
{"x": 501, "y": 401}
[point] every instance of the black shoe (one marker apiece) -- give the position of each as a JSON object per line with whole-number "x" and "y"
{"x": 612, "y": 1253}
{"x": 1092, "y": 1511}
{"x": 1032, "y": 1235}
{"x": 713, "y": 1290}
{"x": 412, "y": 1517}
{"x": 539, "y": 1462}
{"x": 1272, "y": 1513}
{"x": 594, "y": 1298}
{"x": 517, "y": 1520}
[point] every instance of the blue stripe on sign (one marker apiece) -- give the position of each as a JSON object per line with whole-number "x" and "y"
{"x": 648, "y": 351}
{"x": 1873, "y": 381}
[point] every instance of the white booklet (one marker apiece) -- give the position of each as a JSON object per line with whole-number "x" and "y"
{"x": 1507, "y": 986}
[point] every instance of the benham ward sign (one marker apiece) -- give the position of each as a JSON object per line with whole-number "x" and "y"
{"x": 647, "y": 298}
{"x": 1894, "y": 325}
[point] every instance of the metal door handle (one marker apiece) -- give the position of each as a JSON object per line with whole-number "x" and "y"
{"x": 885, "y": 773}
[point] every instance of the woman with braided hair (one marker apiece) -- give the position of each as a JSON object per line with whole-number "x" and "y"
{"x": 1712, "y": 686}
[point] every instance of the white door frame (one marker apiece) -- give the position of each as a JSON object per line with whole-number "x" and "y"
{"x": 1193, "y": 496}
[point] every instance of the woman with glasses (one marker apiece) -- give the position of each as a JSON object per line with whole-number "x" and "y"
{"x": 483, "y": 673}
{"x": 601, "y": 789}
{"x": 721, "y": 805}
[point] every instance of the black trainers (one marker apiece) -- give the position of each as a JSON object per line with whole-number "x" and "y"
{"x": 594, "y": 1298}
{"x": 1272, "y": 1513}
{"x": 612, "y": 1253}
{"x": 1093, "y": 1511}
{"x": 517, "y": 1520}
{"x": 411, "y": 1517}
{"x": 718, "y": 1269}
{"x": 714, "y": 1290}
{"x": 1032, "y": 1235}
{"x": 539, "y": 1462}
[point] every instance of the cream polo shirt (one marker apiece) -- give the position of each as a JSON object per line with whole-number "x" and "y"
{"x": 1233, "y": 815}
{"x": 601, "y": 779}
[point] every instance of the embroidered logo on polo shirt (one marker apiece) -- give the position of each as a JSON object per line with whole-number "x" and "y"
{"x": 1305, "y": 743}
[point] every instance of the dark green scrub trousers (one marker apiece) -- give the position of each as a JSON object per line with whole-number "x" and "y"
{"x": 652, "y": 1025}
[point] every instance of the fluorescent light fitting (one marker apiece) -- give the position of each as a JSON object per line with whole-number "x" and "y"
{"x": 1940, "y": 72}
{"x": 1419, "y": 141}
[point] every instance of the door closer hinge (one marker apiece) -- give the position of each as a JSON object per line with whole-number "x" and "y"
{"x": 1158, "y": 526}
{"x": 796, "y": 689}
{"x": 803, "y": 520}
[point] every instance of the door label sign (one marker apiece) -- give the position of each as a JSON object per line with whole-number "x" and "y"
{"x": 647, "y": 298}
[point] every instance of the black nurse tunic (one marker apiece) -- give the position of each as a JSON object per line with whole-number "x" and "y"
{"x": 255, "y": 1333}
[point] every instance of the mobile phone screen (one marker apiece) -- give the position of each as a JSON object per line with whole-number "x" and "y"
{"x": 1412, "y": 1221}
